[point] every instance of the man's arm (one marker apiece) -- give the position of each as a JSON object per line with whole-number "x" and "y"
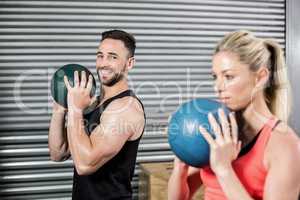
{"x": 119, "y": 122}
{"x": 57, "y": 139}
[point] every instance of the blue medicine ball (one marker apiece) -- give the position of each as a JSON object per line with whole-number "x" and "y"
{"x": 184, "y": 136}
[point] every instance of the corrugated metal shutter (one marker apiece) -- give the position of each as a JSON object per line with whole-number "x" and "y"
{"x": 175, "y": 44}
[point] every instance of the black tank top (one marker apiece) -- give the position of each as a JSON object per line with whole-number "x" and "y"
{"x": 113, "y": 179}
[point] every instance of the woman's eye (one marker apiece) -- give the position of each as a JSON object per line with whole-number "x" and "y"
{"x": 229, "y": 77}
{"x": 214, "y": 76}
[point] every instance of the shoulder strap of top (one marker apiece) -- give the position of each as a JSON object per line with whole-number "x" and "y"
{"x": 120, "y": 95}
{"x": 266, "y": 131}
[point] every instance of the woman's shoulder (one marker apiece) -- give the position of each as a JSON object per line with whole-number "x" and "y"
{"x": 284, "y": 143}
{"x": 285, "y": 135}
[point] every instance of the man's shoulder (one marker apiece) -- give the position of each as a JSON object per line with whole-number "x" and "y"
{"x": 125, "y": 104}
{"x": 128, "y": 113}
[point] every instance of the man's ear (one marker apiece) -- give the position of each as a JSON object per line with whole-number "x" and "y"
{"x": 262, "y": 77}
{"x": 130, "y": 63}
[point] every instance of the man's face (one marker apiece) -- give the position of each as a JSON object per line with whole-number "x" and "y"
{"x": 112, "y": 61}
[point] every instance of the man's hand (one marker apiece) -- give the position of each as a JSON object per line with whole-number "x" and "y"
{"x": 79, "y": 96}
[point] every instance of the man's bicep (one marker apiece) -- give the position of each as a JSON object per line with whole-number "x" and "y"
{"x": 108, "y": 138}
{"x": 115, "y": 128}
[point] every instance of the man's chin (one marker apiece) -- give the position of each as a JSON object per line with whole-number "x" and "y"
{"x": 111, "y": 82}
{"x": 106, "y": 81}
{"x": 107, "y": 84}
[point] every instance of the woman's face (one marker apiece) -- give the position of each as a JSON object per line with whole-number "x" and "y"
{"x": 234, "y": 82}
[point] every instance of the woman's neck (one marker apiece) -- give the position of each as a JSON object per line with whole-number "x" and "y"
{"x": 253, "y": 118}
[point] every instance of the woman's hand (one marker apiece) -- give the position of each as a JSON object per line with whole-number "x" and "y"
{"x": 225, "y": 147}
{"x": 79, "y": 96}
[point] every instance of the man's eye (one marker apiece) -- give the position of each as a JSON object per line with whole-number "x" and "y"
{"x": 214, "y": 76}
{"x": 110, "y": 57}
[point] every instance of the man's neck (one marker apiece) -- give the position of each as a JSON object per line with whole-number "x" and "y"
{"x": 119, "y": 87}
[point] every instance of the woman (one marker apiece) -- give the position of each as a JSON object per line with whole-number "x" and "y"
{"x": 263, "y": 160}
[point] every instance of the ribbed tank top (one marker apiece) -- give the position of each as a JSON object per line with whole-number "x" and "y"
{"x": 113, "y": 179}
{"x": 249, "y": 168}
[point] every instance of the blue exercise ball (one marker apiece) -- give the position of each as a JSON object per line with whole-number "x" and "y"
{"x": 184, "y": 136}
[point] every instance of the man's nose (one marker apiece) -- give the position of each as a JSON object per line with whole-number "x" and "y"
{"x": 103, "y": 63}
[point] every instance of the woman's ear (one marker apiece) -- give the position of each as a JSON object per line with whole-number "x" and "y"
{"x": 262, "y": 77}
{"x": 130, "y": 63}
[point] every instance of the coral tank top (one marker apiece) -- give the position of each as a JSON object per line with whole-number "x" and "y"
{"x": 249, "y": 168}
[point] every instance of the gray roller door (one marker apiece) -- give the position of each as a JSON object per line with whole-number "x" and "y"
{"x": 175, "y": 44}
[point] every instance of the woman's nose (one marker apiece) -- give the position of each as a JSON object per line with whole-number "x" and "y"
{"x": 219, "y": 86}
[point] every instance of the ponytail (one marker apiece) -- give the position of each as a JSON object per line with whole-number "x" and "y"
{"x": 278, "y": 91}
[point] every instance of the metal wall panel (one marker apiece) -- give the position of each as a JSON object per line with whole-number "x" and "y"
{"x": 292, "y": 58}
{"x": 175, "y": 41}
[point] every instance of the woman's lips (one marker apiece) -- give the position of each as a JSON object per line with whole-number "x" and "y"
{"x": 224, "y": 99}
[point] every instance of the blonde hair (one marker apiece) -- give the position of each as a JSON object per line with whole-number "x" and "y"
{"x": 257, "y": 52}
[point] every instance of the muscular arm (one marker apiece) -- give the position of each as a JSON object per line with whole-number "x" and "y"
{"x": 118, "y": 123}
{"x": 57, "y": 139}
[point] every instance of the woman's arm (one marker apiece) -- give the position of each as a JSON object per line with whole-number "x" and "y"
{"x": 232, "y": 186}
{"x": 283, "y": 164}
{"x": 281, "y": 159}
{"x": 184, "y": 181}
{"x": 223, "y": 150}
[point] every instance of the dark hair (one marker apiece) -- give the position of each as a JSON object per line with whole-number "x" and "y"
{"x": 125, "y": 37}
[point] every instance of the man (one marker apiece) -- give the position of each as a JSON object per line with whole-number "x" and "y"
{"x": 103, "y": 143}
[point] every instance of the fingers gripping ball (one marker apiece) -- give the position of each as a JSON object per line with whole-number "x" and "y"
{"x": 58, "y": 87}
{"x": 184, "y": 136}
